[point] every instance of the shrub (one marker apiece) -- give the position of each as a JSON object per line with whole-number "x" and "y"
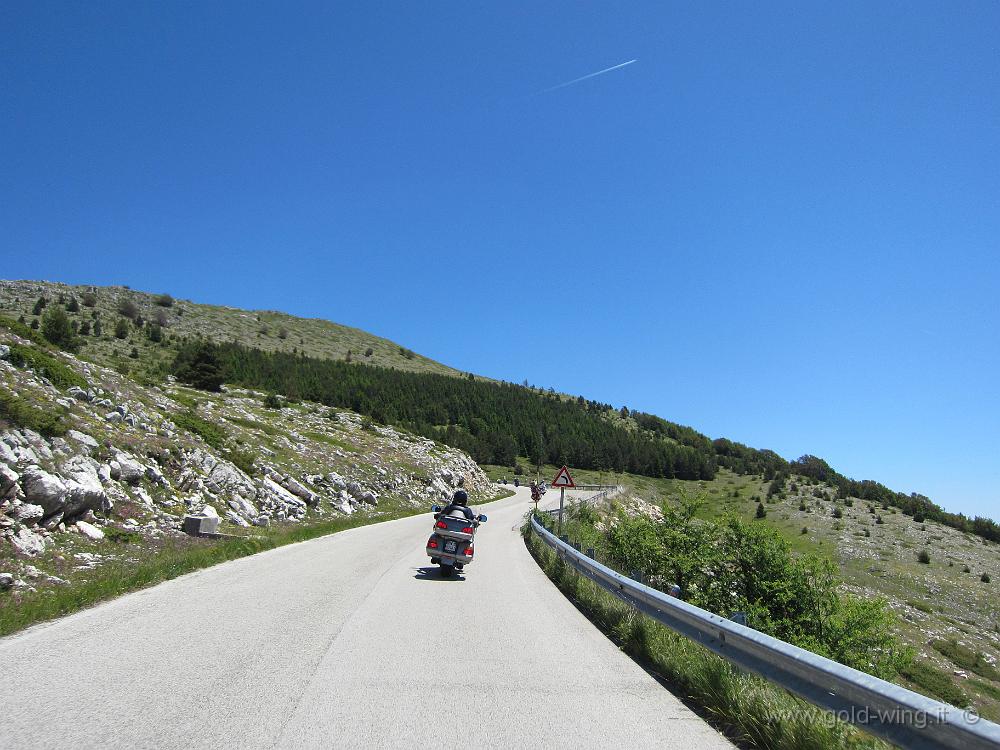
{"x": 282, "y": 333}
{"x": 868, "y": 532}
{"x": 121, "y": 329}
{"x": 211, "y": 433}
{"x": 34, "y": 324}
{"x": 85, "y": 328}
{"x": 89, "y": 299}
{"x": 39, "y": 306}
{"x": 849, "y": 503}
{"x": 22, "y": 330}
{"x": 878, "y": 519}
{"x": 17, "y": 411}
{"x": 761, "y": 511}
{"x": 838, "y": 513}
{"x": 56, "y": 328}
{"x": 985, "y": 578}
{"x": 935, "y": 682}
{"x": 128, "y": 309}
{"x": 165, "y": 300}
{"x": 60, "y": 374}
{"x": 197, "y": 365}
{"x": 805, "y": 530}
{"x": 369, "y": 352}
{"x": 161, "y": 318}
{"x": 966, "y": 569}
{"x": 273, "y": 401}
{"x": 134, "y": 354}
{"x": 918, "y": 517}
{"x": 802, "y": 505}
{"x": 154, "y": 333}
{"x": 73, "y": 306}
{"x": 923, "y": 556}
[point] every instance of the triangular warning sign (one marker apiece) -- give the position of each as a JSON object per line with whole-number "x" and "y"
{"x": 563, "y": 479}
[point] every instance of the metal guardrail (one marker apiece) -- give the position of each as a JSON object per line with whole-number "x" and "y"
{"x": 901, "y": 716}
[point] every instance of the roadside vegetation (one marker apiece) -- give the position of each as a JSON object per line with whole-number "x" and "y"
{"x": 748, "y": 709}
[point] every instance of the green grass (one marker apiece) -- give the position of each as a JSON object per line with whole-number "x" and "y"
{"x": 935, "y": 682}
{"x": 991, "y": 690}
{"x": 749, "y": 709}
{"x": 22, "y": 413}
{"x": 210, "y": 432}
{"x": 252, "y": 425}
{"x": 965, "y": 658}
{"x": 321, "y": 437}
{"x": 926, "y": 608}
{"x": 61, "y": 375}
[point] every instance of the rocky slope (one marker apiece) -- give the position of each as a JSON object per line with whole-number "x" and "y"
{"x": 122, "y": 460}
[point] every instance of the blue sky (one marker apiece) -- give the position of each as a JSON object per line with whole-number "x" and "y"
{"x": 780, "y": 225}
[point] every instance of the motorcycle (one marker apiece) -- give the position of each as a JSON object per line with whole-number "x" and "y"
{"x": 451, "y": 541}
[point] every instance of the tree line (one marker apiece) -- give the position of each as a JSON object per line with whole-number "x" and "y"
{"x": 497, "y": 422}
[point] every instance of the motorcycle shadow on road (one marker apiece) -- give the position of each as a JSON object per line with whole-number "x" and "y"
{"x": 434, "y": 574}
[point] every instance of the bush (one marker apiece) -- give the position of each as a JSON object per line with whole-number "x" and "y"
{"x": 282, "y": 333}
{"x": 838, "y": 513}
{"x": 39, "y": 306}
{"x": 878, "y": 519}
{"x": 57, "y": 330}
{"x": 802, "y": 505}
{"x": 61, "y": 375}
{"x": 918, "y": 517}
{"x": 19, "y": 412}
{"x": 985, "y": 578}
{"x": 197, "y": 365}
{"x": 369, "y": 352}
{"x": 121, "y": 329}
{"x": 211, "y": 433}
{"x": 761, "y": 511}
{"x": 134, "y": 354}
{"x": 154, "y": 333}
{"x": 805, "y": 530}
{"x": 165, "y": 300}
{"x": 868, "y": 532}
{"x": 73, "y": 306}
{"x": 89, "y": 299}
{"x": 923, "y": 556}
{"x": 22, "y": 330}
{"x": 935, "y": 683}
{"x": 273, "y": 401}
{"x": 128, "y": 309}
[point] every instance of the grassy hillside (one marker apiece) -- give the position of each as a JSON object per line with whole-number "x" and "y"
{"x": 265, "y": 329}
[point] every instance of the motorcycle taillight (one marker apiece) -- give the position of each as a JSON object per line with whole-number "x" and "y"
{"x": 432, "y": 544}
{"x": 441, "y": 525}
{"x": 468, "y": 551}
{"x": 467, "y": 530}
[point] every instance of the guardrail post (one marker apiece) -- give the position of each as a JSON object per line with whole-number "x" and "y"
{"x": 590, "y": 553}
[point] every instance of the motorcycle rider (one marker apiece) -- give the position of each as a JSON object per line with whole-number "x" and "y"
{"x": 460, "y": 501}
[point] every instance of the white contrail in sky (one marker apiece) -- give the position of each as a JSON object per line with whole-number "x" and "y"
{"x": 590, "y": 75}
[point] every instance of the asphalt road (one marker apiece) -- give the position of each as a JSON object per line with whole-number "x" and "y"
{"x": 351, "y": 640}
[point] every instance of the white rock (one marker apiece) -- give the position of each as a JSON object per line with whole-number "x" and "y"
{"x": 82, "y": 438}
{"x": 113, "y": 417}
{"x": 28, "y": 513}
{"x": 6, "y": 581}
{"x": 29, "y": 543}
{"x": 130, "y": 470}
{"x": 90, "y": 531}
{"x": 235, "y": 518}
{"x": 42, "y": 488}
{"x": 8, "y": 478}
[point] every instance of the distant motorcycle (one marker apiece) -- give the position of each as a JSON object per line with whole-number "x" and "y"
{"x": 451, "y": 542}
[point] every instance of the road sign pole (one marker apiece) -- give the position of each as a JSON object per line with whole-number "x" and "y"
{"x": 562, "y": 496}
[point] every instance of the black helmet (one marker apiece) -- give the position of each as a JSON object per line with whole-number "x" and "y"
{"x": 461, "y": 498}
